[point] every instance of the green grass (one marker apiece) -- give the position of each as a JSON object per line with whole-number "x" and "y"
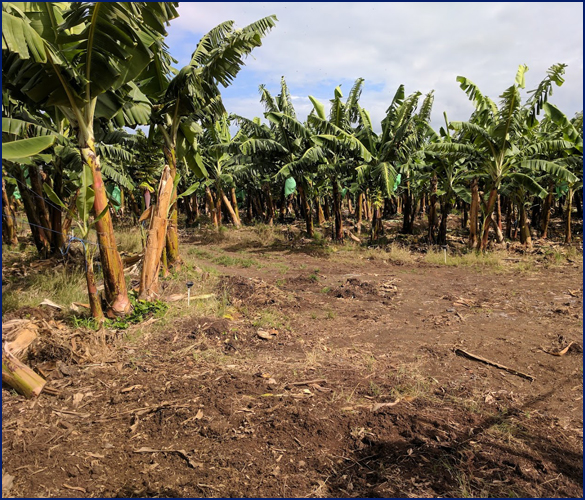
{"x": 228, "y": 261}
{"x": 61, "y": 286}
{"x": 223, "y": 259}
{"x": 267, "y": 318}
{"x": 283, "y": 268}
{"x": 199, "y": 253}
{"x": 129, "y": 241}
{"x": 490, "y": 260}
{"x": 393, "y": 253}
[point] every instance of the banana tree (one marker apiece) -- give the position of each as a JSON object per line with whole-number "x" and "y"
{"x": 84, "y": 58}
{"x": 216, "y": 150}
{"x": 255, "y": 172}
{"x": 277, "y": 149}
{"x": 571, "y": 156}
{"x": 82, "y": 216}
{"x": 496, "y": 133}
{"x": 337, "y": 150}
{"x": 16, "y": 153}
{"x": 190, "y": 98}
{"x": 395, "y": 153}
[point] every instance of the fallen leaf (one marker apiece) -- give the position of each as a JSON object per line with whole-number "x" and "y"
{"x": 199, "y": 415}
{"x": 576, "y": 346}
{"x": 265, "y": 335}
{"x": 7, "y": 483}
{"x": 95, "y": 455}
{"x": 464, "y": 302}
{"x": 50, "y": 303}
{"x": 77, "y": 399}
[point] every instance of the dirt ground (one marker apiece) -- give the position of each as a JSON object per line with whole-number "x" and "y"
{"x": 325, "y": 374}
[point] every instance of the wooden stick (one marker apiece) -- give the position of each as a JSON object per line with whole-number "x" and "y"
{"x": 306, "y": 382}
{"x": 465, "y": 354}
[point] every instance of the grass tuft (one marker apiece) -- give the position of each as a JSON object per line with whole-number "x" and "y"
{"x": 491, "y": 260}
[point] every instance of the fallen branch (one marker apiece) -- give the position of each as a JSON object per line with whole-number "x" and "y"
{"x": 461, "y": 352}
{"x": 353, "y": 236}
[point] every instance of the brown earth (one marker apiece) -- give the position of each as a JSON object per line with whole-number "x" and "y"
{"x": 356, "y": 391}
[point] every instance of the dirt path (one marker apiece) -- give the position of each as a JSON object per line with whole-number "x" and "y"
{"x": 357, "y": 390}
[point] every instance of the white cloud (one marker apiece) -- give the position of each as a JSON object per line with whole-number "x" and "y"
{"x": 423, "y": 45}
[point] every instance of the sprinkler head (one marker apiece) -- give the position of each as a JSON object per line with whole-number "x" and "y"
{"x": 189, "y": 284}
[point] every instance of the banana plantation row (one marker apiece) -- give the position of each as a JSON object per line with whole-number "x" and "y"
{"x": 77, "y": 77}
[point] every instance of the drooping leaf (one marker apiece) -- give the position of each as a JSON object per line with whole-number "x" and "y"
{"x": 319, "y": 107}
{"x": 552, "y": 168}
{"x": 20, "y": 38}
{"x": 24, "y": 148}
{"x": 190, "y": 190}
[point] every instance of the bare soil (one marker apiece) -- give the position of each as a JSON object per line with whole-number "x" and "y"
{"x": 356, "y": 391}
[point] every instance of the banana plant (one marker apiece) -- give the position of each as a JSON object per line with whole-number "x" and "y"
{"x": 396, "y": 154}
{"x": 572, "y": 156}
{"x": 190, "y": 98}
{"x": 84, "y": 58}
{"x": 18, "y": 151}
{"x": 25, "y": 135}
{"x": 85, "y": 223}
{"x": 217, "y": 147}
{"x": 450, "y": 176}
{"x": 281, "y": 146}
{"x": 496, "y": 134}
{"x": 263, "y": 153}
{"x": 335, "y": 150}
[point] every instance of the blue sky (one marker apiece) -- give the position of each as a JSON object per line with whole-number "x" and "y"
{"x": 425, "y": 46}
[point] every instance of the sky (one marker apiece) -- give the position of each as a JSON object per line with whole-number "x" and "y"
{"x": 425, "y": 46}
